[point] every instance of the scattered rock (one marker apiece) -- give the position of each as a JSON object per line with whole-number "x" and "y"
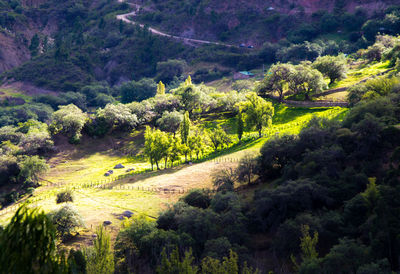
{"x": 107, "y": 222}
{"x": 120, "y": 217}
{"x": 110, "y": 171}
{"x": 107, "y": 174}
{"x": 94, "y": 236}
{"x": 119, "y": 166}
{"x": 127, "y": 214}
{"x": 130, "y": 169}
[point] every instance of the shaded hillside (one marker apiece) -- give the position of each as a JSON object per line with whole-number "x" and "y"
{"x": 256, "y": 21}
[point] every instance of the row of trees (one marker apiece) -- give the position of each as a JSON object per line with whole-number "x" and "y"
{"x": 254, "y": 113}
{"x": 305, "y": 78}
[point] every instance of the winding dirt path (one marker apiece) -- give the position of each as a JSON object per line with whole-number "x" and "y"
{"x": 126, "y": 18}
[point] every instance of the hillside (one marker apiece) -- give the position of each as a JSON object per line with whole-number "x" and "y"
{"x": 256, "y": 22}
{"x": 197, "y": 136}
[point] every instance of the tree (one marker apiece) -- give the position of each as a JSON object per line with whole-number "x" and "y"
{"x": 157, "y": 146}
{"x": 224, "y": 179}
{"x": 66, "y": 220}
{"x": 219, "y": 138}
{"x": 28, "y": 244}
{"x": 160, "y": 88}
{"x": 176, "y": 150}
{"x": 190, "y": 96}
{"x": 240, "y": 126}
{"x": 307, "y": 81}
{"x": 170, "y": 121}
{"x": 34, "y": 46}
{"x": 258, "y": 112}
{"x": 198, "y": 141}
{"x": 100, "y": 258}
{"x": 166, "y": 71}
{"x": 188, "y": 81}
{"x": 137, "y": 90}
{"x": 31, "y": 168}
{"x": 118, "y": 116}
{"x": 174, "y": 264}
{"x": 229, "y": 265}
{"x": 307, "y": 245}
{"x": 69, "y": 120}
{"x": 247, "y": 168}
{"x": 334, "y": 67}
{"x": 277, "y": 79}
{"x": 185, "y": 130}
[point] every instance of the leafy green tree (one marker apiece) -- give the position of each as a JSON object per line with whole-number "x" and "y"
{"x": 277, "y": 79}
{"x": 258, "y": 112}
{"x": 306, "y": 81}
{"x": 137, "y": 90}
{"x": 174, "y": 264}
{"x": 308, "y": 245}
{"x": 157, "y": 146}
{"x": 66, "y": 220}
{"x": 176, "y": 150}
{"x": 240, "y": 126}
{"x": 224, "y": 179}
{"x": 170, "y": 121}
{"x": 247, "y": 168}
{"x": 198, "y": 141}
{"x": 118, "y": 116}
{"x": 185, "y": 130}
{"x": 69, "y": 120}
{"x": 219, "y": 138}
{"x": 190, "y": 97}
{"x": 334, "y": 67}
{"x": 168, "y": 70}
{"x": 229, "y": 265}
{"x": 31, "y": 168}
{"x": 100, "y": 257}
{"x": 160, "y": 88}
{"x": 28, "y": 244}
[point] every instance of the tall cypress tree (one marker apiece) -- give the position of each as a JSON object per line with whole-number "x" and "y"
{"x": 185, "y": 131}
{"x": 240, "y": 126}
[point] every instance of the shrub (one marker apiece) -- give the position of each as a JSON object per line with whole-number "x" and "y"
{"x": 64, "y": 197}
{"x": 137, "y": 90}
{"x": 197, "y": 198}
{"x": 66, "y": 221}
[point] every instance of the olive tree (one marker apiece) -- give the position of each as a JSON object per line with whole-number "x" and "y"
{"x": 219, "y": 138}
{"x": 306, "y": 81}
{"x": 170, "y": 121}
{"x": 69, "y": 120}
{"x": 31, "y": 168}
{"x": 334, "y": 67}
{"x": 257, "y": 112}
{"x": 118, "y": 116}
{"x": 277, "y": 79}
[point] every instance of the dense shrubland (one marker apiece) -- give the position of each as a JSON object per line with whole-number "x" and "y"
{"x": 319, "y": 196}
{"x": 330, "y": 192}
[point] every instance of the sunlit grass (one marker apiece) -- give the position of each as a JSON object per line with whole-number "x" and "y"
{"x": 357, "y": 74}
{"x": 97, "y": 205}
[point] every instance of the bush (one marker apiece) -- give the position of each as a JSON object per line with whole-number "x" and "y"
{"x": 197, "y": 198}
{"x": 66, "y": 221}
{"x": 64, "y": 197}
{"x": 137, "y": 90}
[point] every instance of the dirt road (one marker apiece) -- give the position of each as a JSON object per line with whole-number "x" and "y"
{"x": 126, "y": 18}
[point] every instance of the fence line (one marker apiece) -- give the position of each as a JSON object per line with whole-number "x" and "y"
{"x": 106, "y": 182}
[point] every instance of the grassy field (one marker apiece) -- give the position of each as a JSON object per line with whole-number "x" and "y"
{"x": 358, "y": 73}
{"x": 87, "y": 162}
